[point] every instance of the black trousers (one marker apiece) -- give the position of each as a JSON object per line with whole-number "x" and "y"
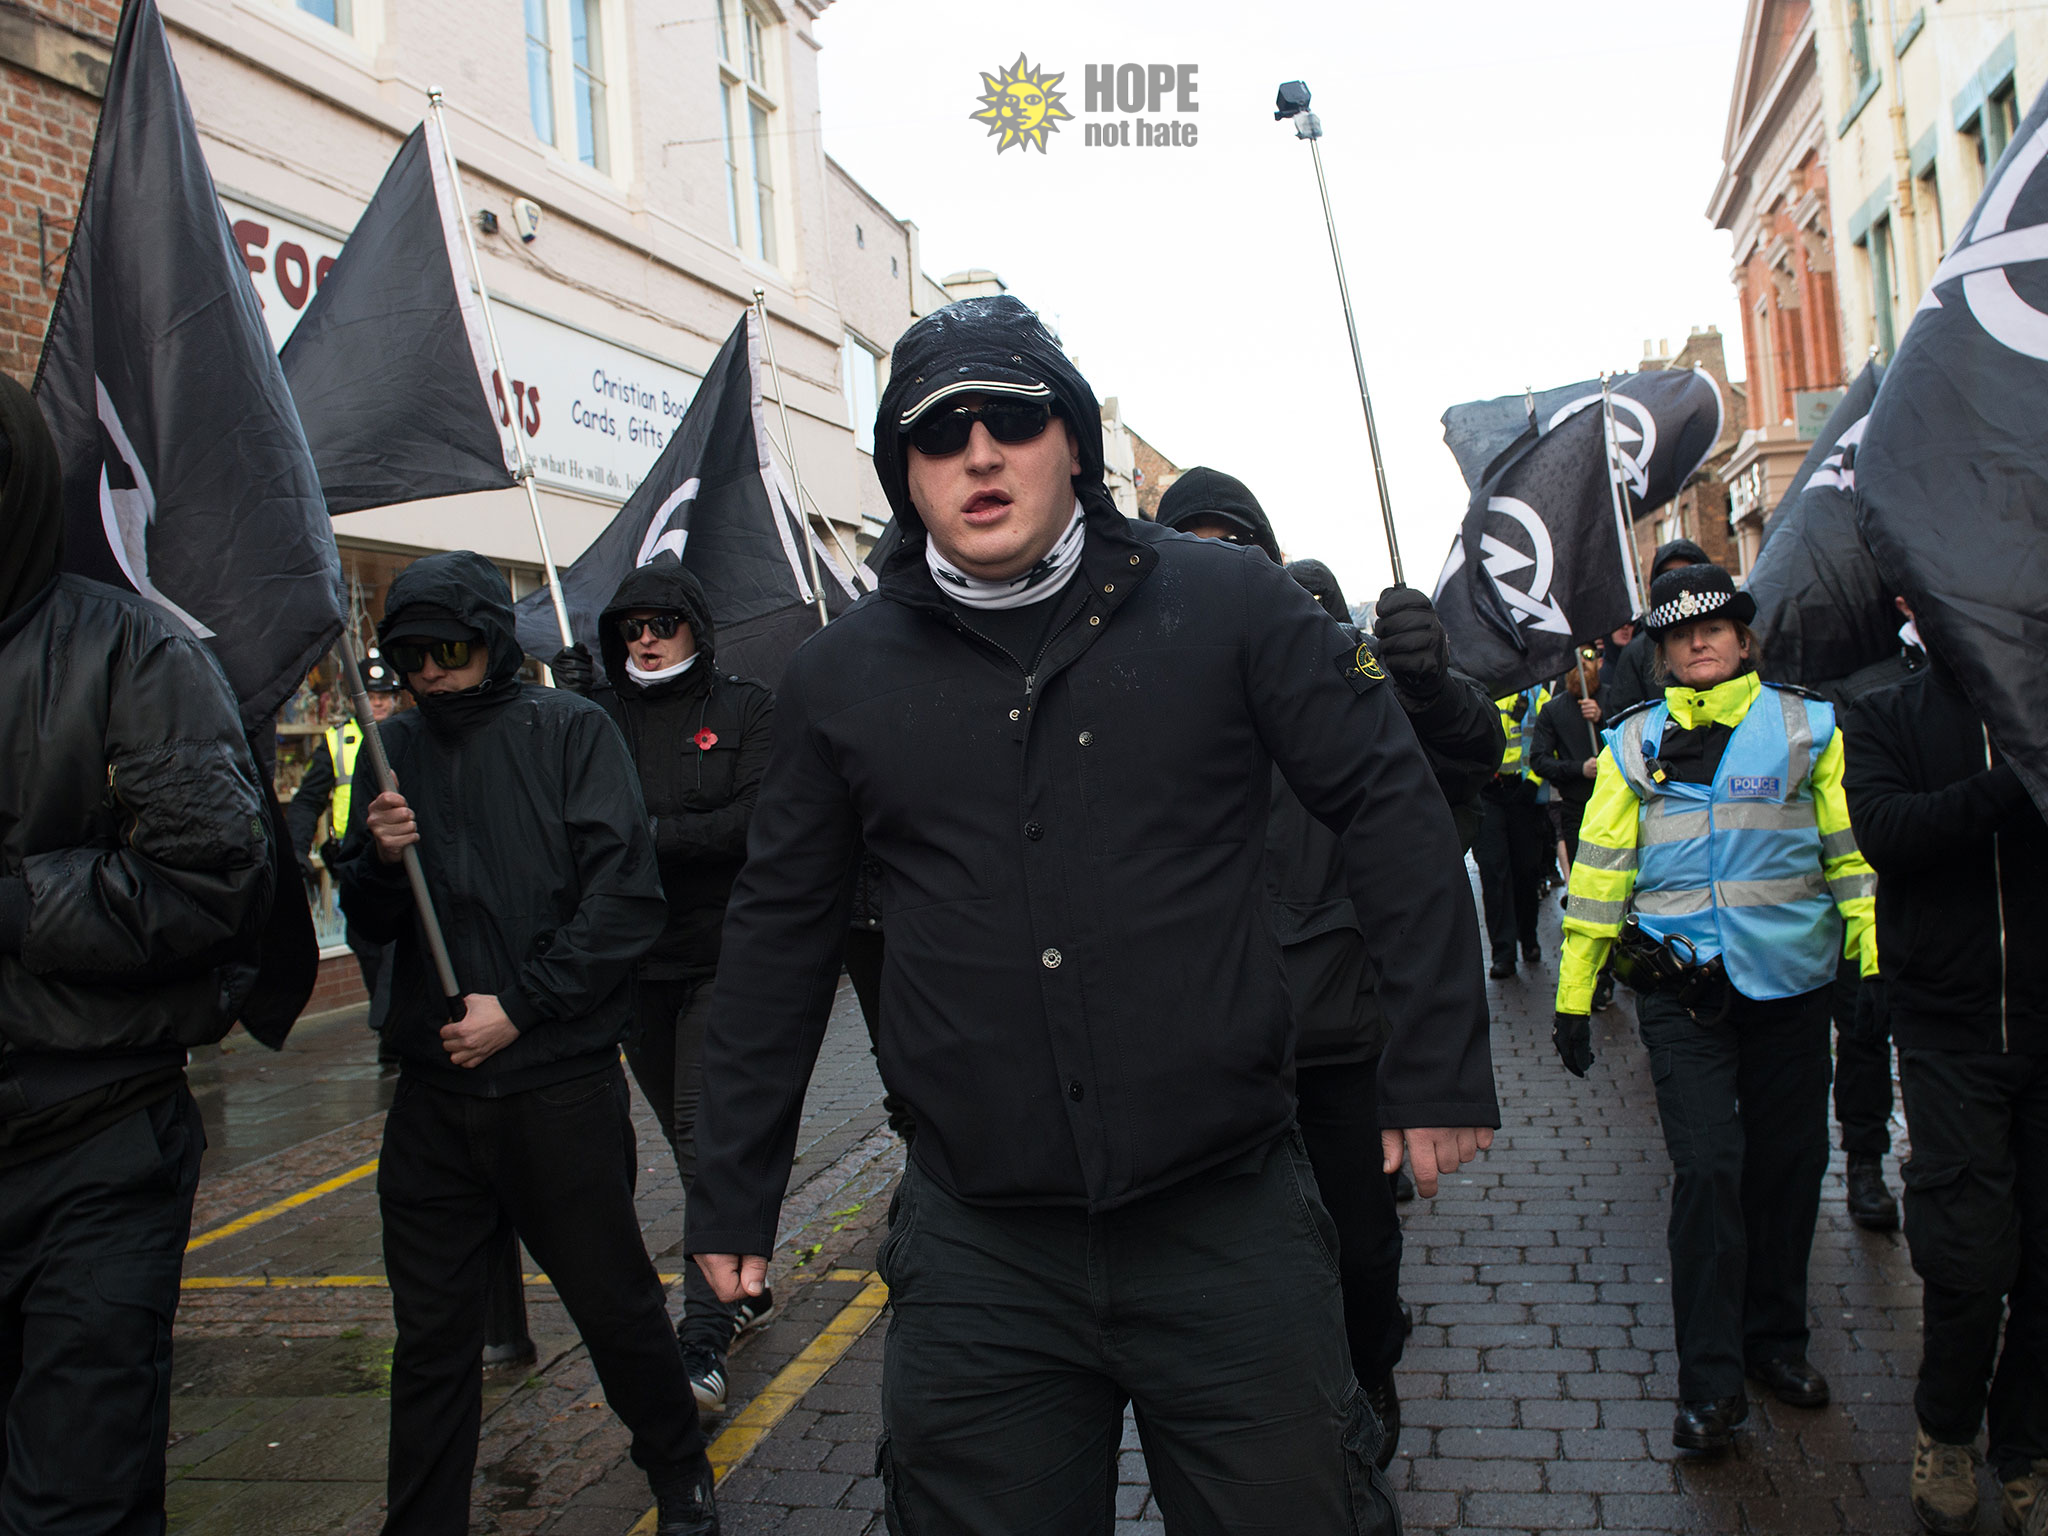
{"x": 92, "y": 1240}
{"x": 1863, "y": 1063}
{"x": 1338, "y": 1113}
{"x": 1745, "y": 1109}
{"x": 1512, "y": 850}
{"x": 1977, "y": 1225}
{"x": 666, "y": 1053}
{"x": 1018, "y": 1334}
{"x": 558, "y": 1161}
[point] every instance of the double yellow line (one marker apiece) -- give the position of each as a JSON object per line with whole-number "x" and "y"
{"x": 289, "y": 1203}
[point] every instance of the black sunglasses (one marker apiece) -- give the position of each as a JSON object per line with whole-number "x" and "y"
{"x": 943, "y": 433}
{"x": 664, "y": 626}
{"x": 448, "y": 655}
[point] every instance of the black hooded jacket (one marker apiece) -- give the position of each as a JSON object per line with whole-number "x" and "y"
{"x": 700, "y": 742}
{"x": 1205, "y": 492}
{"x": 135, "y": 858}
{"x": 534, "y": 840}
{"x": 1082, "y": 1002}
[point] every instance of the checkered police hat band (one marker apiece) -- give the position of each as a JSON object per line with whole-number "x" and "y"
{"x": 1688, "y": 605}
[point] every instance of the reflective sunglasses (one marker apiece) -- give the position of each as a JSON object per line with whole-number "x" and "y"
{"x": 1008, "y": 421}
{"x": 448, "y": 655}
{"x": 664, "y": 626}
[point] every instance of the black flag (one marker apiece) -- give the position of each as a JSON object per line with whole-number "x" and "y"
{"x": 1822, "y": 611}
{"x": 186, "y": 475}
{"x": 1953, "y": 473}
{"x": 391, "y": 365}
{"x": 1480, "y": 431}
{"x": 716, "y": 499}
{"x": 1539, "y": 562}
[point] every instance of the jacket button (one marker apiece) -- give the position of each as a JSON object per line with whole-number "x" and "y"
{"x": 1034, "y": 830}
{"x": 1095, "y": 618}
{"x": 1109, "y": 586}
{"x": 1075, "y": 1091}
{"x": 1134, "y": 559}
{"x": 1050, "y": 959}
{"x": 1087, "y": 738}
{"x": 1016, "y": 714}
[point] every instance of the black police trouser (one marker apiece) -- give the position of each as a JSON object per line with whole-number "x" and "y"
{"x": 1338, "y": 1111}
{"x": 558, "y": 1161}
{"x": 666, "y": 1053}
{"x": 1018, "y": 1333}
{"x": 1863, "y": 1062}
{"x": 1512, "y": 848}
{"x": 92, "y": 1240}
{"x": 1745, "y": 1109}
{"x": 1977, "y": 1225}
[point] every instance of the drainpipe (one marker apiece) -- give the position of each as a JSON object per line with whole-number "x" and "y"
{"x": 1902, "y": 163}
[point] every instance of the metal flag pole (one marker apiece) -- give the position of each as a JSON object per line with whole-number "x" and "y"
{"x": 796, "y": 477}
{"x": 1308, "y": 126}
{"x": 1631, "y": 558}
{"x": 415, "y": 876}
{"x": 1585, "y": 692}
{"x": 524, "y": 473}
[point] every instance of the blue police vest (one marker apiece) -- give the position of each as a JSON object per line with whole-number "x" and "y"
{"x": 1735, "y": 869}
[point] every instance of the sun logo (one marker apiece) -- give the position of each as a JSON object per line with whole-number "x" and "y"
{"x": 1020, "y": 105}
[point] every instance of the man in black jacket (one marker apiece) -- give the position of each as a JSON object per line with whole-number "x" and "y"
{"x": 529, "y": 823}
{"x": 1629, "y": 678}
{"x": 699, "y": 739}
{"x": 134, "y": 858}
{"x": 1959, "y": 849}
{"x": 1055, "y": 731}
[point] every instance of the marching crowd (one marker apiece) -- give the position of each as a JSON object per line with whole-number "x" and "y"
{"x": 1148, "y": 866}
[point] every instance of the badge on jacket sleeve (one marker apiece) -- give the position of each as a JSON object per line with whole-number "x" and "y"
{"x": 1361, "y": 669}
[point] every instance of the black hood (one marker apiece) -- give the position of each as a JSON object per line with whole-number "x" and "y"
{"x": 660, "y": 583}
{"x": 1321, "y": 584}
{"x": 1205, "y": 492}
{"x": 998, "y": 332}
{"x": 31, "y": 501}
{"x": 466, "y": 585}
{"x": 1677, "y": 549}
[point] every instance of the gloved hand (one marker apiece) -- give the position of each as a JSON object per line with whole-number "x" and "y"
{"x": 1572, "y": 1034}
{"x": 574, "y": 669}
{"x": 330, "y": 854}
{"x": 1412, "y": 644}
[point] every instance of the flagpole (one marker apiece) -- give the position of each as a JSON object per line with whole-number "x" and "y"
{"x": 1631, "y": 558}
{"x": 524, "y": 473}
{"x": 789, "y": 452}
{"x": 415, "y": 876}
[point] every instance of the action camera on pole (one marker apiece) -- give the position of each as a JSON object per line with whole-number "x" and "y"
{"x": 1293, "y": 102}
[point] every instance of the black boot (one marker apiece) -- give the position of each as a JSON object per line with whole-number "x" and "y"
{"x": 1386, "y": 1407}
{"x": 1870, "y": 1204}
{"x": 684, "y": 1502}
{"x": 1709, "y": 1427}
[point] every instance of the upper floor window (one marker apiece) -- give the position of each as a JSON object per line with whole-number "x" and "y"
{"x": 339, "y": 14}
{"x": 859, "y": 367}
{"x": 568, "y": 90}
{"x": 1858, "y": 32}
{"x": 1992, "y": 128}
{"x": 747, "y": 85}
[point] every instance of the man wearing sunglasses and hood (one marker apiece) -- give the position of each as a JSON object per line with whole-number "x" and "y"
{"x": 528, "y": 819}
{"x": 1054, "y": 729}
{"x": 699, "y": 739}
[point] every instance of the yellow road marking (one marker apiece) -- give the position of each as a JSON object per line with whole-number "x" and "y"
{"x": 754, "y": 1423}
{"x": 339, "y": 1282}
{"x": 289, "y": 1203}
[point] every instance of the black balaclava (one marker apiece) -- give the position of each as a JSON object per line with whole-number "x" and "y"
{"x": 31, "y": 501}
{"x": 462, "y": 586}
{"x": 1206, "y": 492}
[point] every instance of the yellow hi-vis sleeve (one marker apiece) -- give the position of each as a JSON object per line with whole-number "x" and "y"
{"x": 1851, "y": 881}
{"x": 1603, "y": 875}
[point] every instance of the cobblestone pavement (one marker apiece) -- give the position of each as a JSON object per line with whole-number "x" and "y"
{"x": 1536, "y": 1390}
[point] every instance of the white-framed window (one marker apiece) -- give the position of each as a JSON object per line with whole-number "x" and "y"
{"x": 571, "y": 95}
{"x": 859, "y": 377}
{"x": 339, "y": 14}
{"x": 358, "y": 22}
{"x": 747, "y": 46}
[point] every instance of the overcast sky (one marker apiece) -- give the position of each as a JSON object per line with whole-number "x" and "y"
{"x": 1519, "y": 189}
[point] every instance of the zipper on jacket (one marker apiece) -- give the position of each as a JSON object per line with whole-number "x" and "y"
{"x": 1998, "y": 888}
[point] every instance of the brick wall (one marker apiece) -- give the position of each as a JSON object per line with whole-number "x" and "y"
{"x": 340, "y": 985}
{"x": 52, "y": 61}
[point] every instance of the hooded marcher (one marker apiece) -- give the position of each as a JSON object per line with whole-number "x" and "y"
{"x": 529, "y": 823}
{"x": 1512, "y": 848}
{"x": 1054, "y": 729}
{"x": 700, "y": 740}
{"x": 1212, "y": 505}
{"x": 1959, "y": 849}
{"x": 135, "y": 867}
{"x": 1718, "y": 865}
{"x": 1565, "y": 749}
{"x": 1630, "y": 678}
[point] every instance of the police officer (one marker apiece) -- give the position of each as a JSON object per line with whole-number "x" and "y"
{"x": 1514, "y": 837}
{"x": 1717, "y": 846}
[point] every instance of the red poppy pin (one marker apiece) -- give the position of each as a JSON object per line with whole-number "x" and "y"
{"x": 706, "y": 739}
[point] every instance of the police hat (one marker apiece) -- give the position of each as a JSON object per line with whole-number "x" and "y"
{"x": 1694, "y": 592}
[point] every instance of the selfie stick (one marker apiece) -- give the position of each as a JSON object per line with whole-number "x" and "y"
{"x": 359, "y": 701}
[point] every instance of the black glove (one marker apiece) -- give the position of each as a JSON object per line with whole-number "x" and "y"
{"x": 330, "y": 854}
{"x": 574, "y": 670}
{"x": 1412, "y": 644}
{"x": 1572, "y": 1034}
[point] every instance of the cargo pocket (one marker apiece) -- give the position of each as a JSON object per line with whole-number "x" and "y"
{"x": 1374, "y": 1511}
{"x": 902, "y": 1223}
{"x": 1960, "y": 1233}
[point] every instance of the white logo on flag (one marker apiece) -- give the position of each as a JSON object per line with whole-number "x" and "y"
{"x": 1532, "y": 601}
{"x": 1834, "y": 472}
{"x": 1635, "y": 436}
{"x": 659, "y": 535}
{"x": 1982, "y": 259}
{"x": 127, "y": 512}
